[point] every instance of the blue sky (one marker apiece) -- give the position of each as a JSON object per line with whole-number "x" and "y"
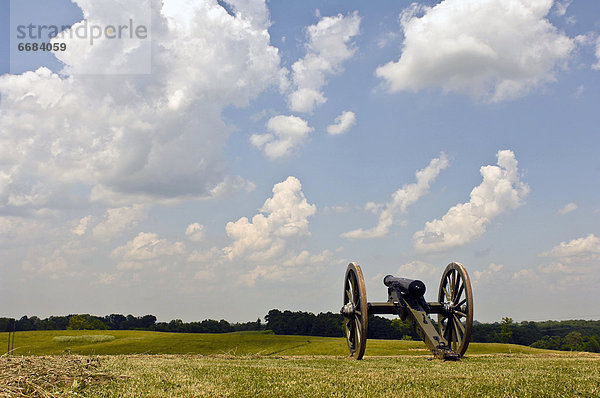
{"x": 273, "y": 143}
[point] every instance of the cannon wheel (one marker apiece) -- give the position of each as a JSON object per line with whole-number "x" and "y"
{"x": 355, "y": 322}
{"x": 456, "y": 294}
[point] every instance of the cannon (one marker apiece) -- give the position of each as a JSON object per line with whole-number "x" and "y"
{"x": 447, "y": 339}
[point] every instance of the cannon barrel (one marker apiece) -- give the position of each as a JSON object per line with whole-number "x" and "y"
{"x": 411, "y": 287}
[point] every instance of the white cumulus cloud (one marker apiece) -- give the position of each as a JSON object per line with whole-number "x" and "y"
{"x": 147, "y": 136}
{"x": 342, "y": 123}
{"x": 117, "y": 220}
{"x": 597, "y": 64}
{"x": 561, "y": 7}
{"x": 488, "y": 274}
{"x": 282, "y": 218}
{"x": 295, "y": 267}
{"x": 407, "y": 195}
{"x": 418, "y": 269}
{"x": 568, "y": 208}
{"x": 494, "y": 49}
{"x": 589, "y": 245}
{"x": 195, "y": 232}
{"x": 501, "y": 190}
{"x": 286, "y": 134}
{"x": 267, "y": 247}
{"x": 328, "y": 46}
{"x": 82, "y": 226}
{"x": 145, "y": 248}
{"x": 573, "y": 261}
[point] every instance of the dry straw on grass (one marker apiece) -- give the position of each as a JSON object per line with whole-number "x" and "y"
{"x": 86, "y": 338}
{"x": 48, "y": 376}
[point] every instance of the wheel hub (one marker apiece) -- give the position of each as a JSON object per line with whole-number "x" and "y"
{"x": 448, "y": 307}
{"x": 348, "y": 310}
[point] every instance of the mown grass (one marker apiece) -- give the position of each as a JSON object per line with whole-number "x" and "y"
{"x": 126, "y": 342}
{"x": 254, "y": 364}
{"x": 494, "y": 375}
{"x": 88, "y": 338}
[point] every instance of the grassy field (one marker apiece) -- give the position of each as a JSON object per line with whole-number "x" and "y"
{"x": 263, "y": 365}
{"x": 494, "y": 375}
{"x": 111, "y": 342}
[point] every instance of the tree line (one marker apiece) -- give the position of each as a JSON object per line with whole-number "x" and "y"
{"x": 122, "y": 322}
{"x": 328, "y": 324}
{"x": 574, "y": 335}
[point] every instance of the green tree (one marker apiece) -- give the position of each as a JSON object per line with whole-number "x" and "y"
{"x": 573, "y": 342}
{"x": 591, "y": 344}
{"x": 327, "y": 324}
{"x": 79, "y": 322}
{"x": 97, "y": 324}
{"x": 148, "y": 321}
{"x": 403, "y": 327}
{"x": 506, "y": 330}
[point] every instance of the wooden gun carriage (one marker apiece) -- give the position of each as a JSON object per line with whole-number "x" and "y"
{"x": 447, "y": 340}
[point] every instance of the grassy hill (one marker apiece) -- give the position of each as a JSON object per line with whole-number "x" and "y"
{"x": 492, "y": 375}
{"x": 255, "y": 364}
{"x": 111, "y": 342}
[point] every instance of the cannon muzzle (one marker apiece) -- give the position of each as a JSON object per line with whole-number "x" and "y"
{"x": 409, "y": 287}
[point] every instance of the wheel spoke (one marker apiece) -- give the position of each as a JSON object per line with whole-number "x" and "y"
{"x": 459, "y": 293}
{"x": 349, "y": 295}
{"x": 453, "y": 334}
{"x": 453, "y": 282}
{"x": 457, "y": 283}
{"x": 448, "y": 330}
{"x": 460, "y": 326}
{"x": 460, "y": 313}
{"x": 456, "y": 330}
{"x": 356, "y": 300}
{"x": 349, "y": 331}
{"x": 447, "y": 294}
{"x": 461, "y": 302}
{"x": 351, "y": 290}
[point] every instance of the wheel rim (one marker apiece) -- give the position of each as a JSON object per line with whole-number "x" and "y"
{"x": 456, "y": 295}
{"x": 355, "y": 311}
